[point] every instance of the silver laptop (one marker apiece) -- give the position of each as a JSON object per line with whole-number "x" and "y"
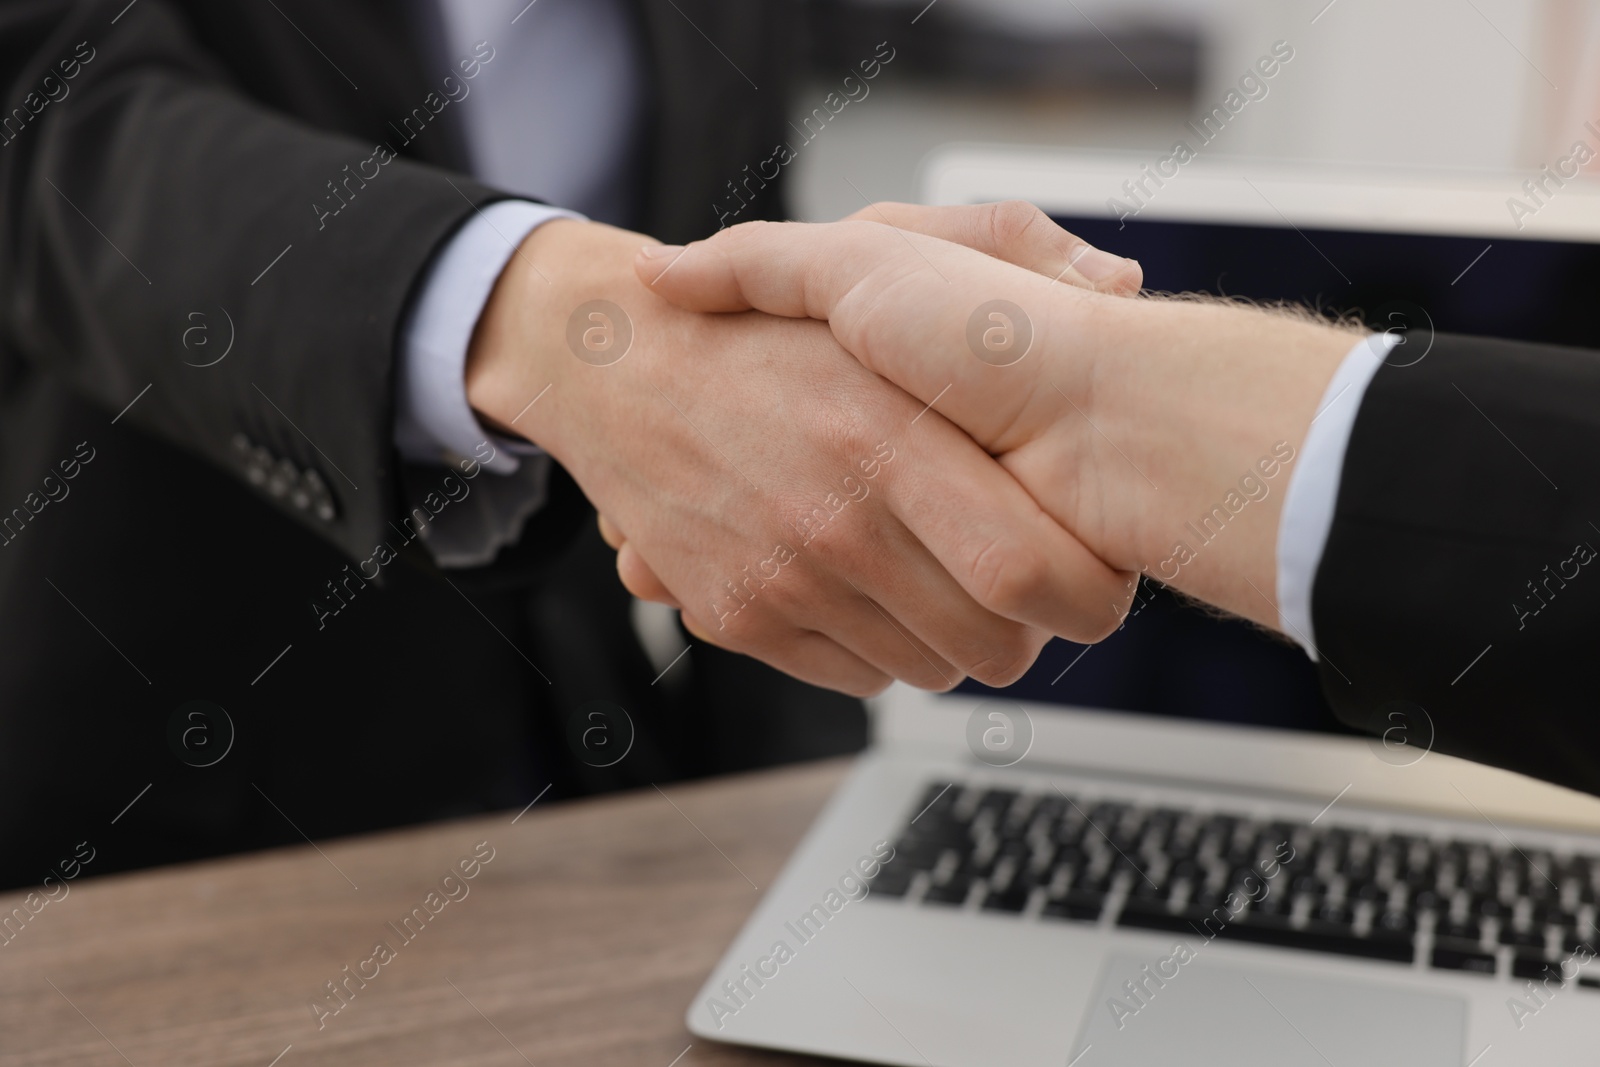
{"x": 1024, "y": 883}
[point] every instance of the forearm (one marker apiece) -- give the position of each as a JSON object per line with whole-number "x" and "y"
{"x": 1194, "y": 413}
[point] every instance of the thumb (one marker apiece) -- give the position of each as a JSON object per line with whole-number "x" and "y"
{"x": 790, "y": 269}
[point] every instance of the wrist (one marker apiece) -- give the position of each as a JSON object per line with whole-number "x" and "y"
{"x": 1210, "y": 404}
{"x": 520, "y": 368}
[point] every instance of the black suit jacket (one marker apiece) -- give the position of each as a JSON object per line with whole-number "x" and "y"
{"x": 169, "y": 186}
{"x": 1458, "y": 599}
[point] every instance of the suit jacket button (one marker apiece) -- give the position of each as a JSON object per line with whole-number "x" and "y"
{"x": 321, "y": 497}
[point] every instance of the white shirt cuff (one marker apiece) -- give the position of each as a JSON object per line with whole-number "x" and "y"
{"x": 1314, "y": 486}
{"x": 434, "y": 424}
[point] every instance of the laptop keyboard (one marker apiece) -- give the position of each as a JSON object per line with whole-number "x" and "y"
{"x": 1463, "y": 905}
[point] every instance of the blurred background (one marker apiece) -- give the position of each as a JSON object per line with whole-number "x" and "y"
{"x": 1479, "y": 84}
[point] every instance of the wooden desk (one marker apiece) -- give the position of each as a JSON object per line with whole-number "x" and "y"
{"x": 580, "y": 943}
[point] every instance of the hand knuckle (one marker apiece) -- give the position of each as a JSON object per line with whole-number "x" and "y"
{"x": 1006, "y": 575}
{"x": 1012, "y": 221}
{"x": 738, "y": 627}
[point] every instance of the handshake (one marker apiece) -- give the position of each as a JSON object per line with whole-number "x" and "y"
{"x": 913, "y": 444}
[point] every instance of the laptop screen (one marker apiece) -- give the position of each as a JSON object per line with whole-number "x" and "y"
{"x": 1175, "y": 658}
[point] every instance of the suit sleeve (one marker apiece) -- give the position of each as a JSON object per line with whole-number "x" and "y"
{"x": 147, "y": 197}
{"x": 1460, "y": 575}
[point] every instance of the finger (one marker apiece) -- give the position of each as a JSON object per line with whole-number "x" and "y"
{"x": 639, "y": 579}
{"x": 857, "y": 621}
{"x": 903, "y": 303}
{"x": 812, "y": 658}
{"x": 783, "y": 268}
{"x": 999, "y": 545}
{"x": 609, "y": 533}
{"x": 916, "y": 599}
{"x": 812, "y": 593}
{"x": 1019, "y": 233}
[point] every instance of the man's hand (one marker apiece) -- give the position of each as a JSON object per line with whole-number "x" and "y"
{"x": 1130, "y": 421}
{"x": 798, "y": 507}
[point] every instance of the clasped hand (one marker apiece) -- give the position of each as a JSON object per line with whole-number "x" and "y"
{"x": 916, "y": 486}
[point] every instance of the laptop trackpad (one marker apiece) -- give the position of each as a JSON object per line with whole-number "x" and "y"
{"x": 1204, "y": 1014}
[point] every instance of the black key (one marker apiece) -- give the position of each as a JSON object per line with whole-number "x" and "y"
{"x": 1533, "y": 938}
{"x": 1186, "y": 868}
{"x": 1242, "y": 876}
{"x": 1098, "y": 884}
{"x": 1126, "y": 862}
{"x": 1276, "y": 904}
{"x": 1489, "y": 907}
{"x": 1335, "y": 915}
{"x": 1543, "y": 895}
{"x": 1031, "y": 874}
{"x": 1182, "y": 851}
{"x": 1572, "y": 942}
{"x": 1072, "y": 831}
{"x": 918, "y": 855}
{"x": 952, "y": 892}
{"x": 997, "y": 801}
{"x": 1152, "y": 889}
{"x": 1071, "y": 856}
{"x": 1049, "y": 809}
{"x": 1424, "y": 899}
{"x": 940, "y": 826}
{"x": 891, "y": 882}
{"x": 1207, "y": 901}
{"x": 1535, "y": 967}
{"x": 1105, "y": 816}
{"x": 1081, "y": 908}
{"x": 1460, "y": 960}
{"x": 973, "y": 867}
{"x": 1013, "y": 899}
{"x": 1467, "y": 930}
{"x": 1318, "y": 938}
{"x": 1589, "y": 983}
{"x": 1395, "y": 922}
